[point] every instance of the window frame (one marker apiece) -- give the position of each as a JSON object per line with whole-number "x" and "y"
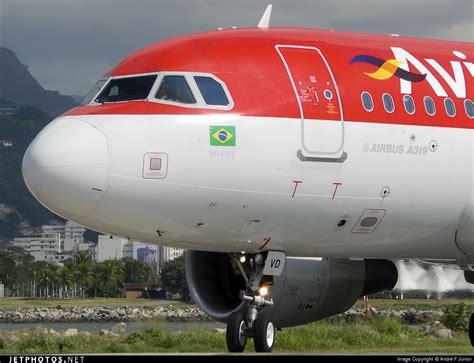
{"x": 465, "y": 108}
{"x": 94, "y": 96}
{"x": 412, "y": 102}
{"x": 189, "y": 77}
{"x": 445, "y": 101}
{"x": 109, "y": 79}
{"x": 222, "y": 84}
{"x": 426, "y": 108}
{"x": 159, "y": 81}
{"x": 371, "y": 101}
{"x": 383, "y": 102}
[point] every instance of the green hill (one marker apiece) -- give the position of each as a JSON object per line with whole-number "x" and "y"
{"x": 19, "y": 86}
{"x": 25, "y": 108}
{"x": 19, "y": 128}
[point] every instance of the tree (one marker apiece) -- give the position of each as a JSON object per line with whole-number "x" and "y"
{"x": 84, "y": 272}
{"x": 111, "y": 275}
{"x": 65, "y": 278}
{"x": 137, "y": 271}
{"x": 16, "y": 271}
{"x": 173, "y": 277}
{"x": 48, "y": 279}
{"x": 82, "y": 257}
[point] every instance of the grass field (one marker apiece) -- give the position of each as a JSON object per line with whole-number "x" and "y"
{"x": 331, "y": 336}
{"x": 418, "y": 304}
{"x": 370, "y": 336}
{"x": 99, "y": 301}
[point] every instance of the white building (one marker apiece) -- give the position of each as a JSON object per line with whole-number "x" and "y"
{"x": 42, "y": 248}
{"x": 71, "y": 236}
{"x": 50, "y": 229}
{"x": 73, "y": 231}
{"x": 76, "y": 245}
{"x": 169, "y": 253}
{"x": 113, "y": 247}
{"x": 70, "y": 230}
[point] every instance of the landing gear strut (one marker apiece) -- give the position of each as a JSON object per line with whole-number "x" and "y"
{"x": 251, "y": 323}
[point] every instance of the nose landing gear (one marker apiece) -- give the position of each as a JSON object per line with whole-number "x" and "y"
{"x": 251, "y": 323}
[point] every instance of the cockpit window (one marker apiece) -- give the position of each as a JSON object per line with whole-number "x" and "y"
{"x": 93, "y": 92}
{"x": 211, "y": 91}
{"x": 175, "y": 89}
{"x": 127, "y": 89}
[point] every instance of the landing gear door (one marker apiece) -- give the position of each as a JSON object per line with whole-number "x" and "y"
{"x": 274, "y": 263}
{"x": 322, "y": 125}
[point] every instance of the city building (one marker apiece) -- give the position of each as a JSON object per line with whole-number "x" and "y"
{"x": 6, "y": 143}
{"x": 71, "y": 236}
{"x": 70, "y": 230}
{"x": 50, "y": 229}
{"x": 169, "y": 253}
{"x": 73, "y": 231}
{"x": 56, "y": 243}
{"x": 113, "y": 248}
{"x": 43, "y": 247}
{"x": 8, "y": 109}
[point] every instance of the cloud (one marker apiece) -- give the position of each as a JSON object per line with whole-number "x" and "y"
{"x": 68, "y": 43}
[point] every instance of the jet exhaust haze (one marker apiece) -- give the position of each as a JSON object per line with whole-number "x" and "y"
{"x": 414, "y": 275}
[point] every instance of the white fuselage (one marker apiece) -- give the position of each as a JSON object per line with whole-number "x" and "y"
{"x": 415, "y": 180}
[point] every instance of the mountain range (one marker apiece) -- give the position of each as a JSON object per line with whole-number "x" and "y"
{"x": 25, "y": 108}
{"x": 20, "y": 87}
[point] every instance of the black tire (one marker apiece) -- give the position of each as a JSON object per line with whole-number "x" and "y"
{"x": 471, "y": 330}
{"x": 264, "y": 334}
{"x": 235, "y": 338}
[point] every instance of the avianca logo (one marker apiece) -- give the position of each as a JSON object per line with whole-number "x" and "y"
{"x": 387, "y": 69}
{"x": 402, "y": 61}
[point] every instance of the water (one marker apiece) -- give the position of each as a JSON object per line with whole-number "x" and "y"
{"x": 95, "y": 327}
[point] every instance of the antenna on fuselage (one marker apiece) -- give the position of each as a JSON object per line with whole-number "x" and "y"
{"x": 265, "y": 21}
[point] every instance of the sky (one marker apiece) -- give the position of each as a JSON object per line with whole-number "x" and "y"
{"x": 69, "y": 44}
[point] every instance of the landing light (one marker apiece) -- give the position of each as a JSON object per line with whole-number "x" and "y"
{"x": 242, "y": 259}
{"x": 263, "y": 291}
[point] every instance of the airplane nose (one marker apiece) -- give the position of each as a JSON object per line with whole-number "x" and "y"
{"x": 66, "y": 167}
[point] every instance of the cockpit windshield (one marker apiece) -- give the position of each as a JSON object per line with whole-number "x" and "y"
{"x": 127, "y": 89}
{"x": 175, "y": 89}
{"x": 90, "y": 96}
{"x": 181, "y": 89}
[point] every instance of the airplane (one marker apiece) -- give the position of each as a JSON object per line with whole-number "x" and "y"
{"x": 295, "y": 165}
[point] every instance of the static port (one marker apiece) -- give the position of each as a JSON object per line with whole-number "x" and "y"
{"x": 341, "y": 223}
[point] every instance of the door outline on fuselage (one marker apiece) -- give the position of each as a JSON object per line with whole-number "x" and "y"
{"x": 337, "y": 156}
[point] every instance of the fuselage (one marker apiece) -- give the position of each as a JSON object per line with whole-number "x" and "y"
{"x": 330, "y": 144}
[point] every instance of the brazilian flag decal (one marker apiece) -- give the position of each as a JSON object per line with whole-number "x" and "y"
{"x": 222, "y": 135}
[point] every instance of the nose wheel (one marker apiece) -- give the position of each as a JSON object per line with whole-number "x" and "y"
{"x": 264, "y": 335}
{"x": 237, "y": 333}
{"x": 236, "y": 337}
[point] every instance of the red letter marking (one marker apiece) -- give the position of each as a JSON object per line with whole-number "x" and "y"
{"x": 297, "y": 182}
{"x": 335, "y": 189}
{"x": 266, "y": 241}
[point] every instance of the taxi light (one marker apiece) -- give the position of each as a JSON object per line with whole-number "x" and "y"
{"x": 263, "y": 291}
